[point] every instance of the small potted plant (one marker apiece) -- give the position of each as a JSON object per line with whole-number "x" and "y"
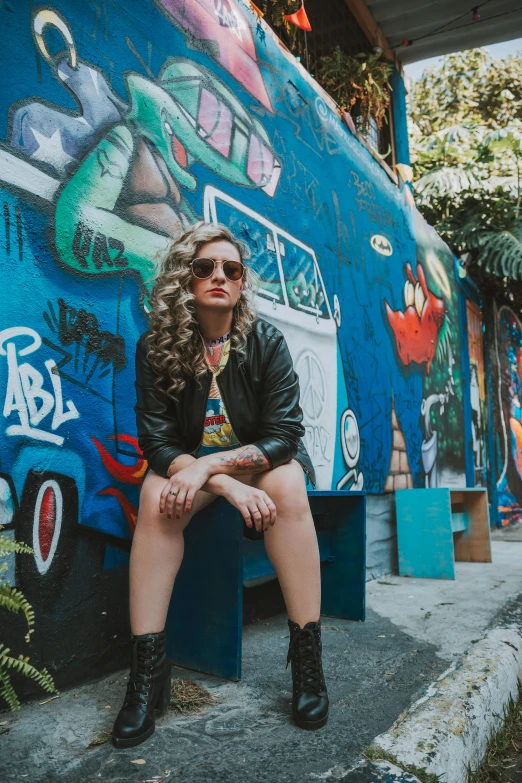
{"x": 359, "y": 84}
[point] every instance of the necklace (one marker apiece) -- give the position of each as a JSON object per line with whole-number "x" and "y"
{"x": 211, "y": 344}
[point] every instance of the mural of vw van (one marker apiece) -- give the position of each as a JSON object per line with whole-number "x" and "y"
{"x": 292, "y": 296}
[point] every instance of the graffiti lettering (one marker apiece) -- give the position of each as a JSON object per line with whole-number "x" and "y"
{"x": 317, "y": 444}
{"x": 7, "y": 227}
{"x": 364, "y": 186}
{"x": 328, "y": 118}
{"x": 376, "y": 213}
{"x": 25, "y": 387}
{"x": 227, "y": 17}
{"x": 83, "y": 245}
{"x": 300, "y": 182}
{"x": 82, "y": 328}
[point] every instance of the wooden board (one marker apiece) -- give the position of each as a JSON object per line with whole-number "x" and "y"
{"x": 474, "y": 545}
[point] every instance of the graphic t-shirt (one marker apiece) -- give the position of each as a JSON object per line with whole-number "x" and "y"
{"x": 217, "y": 433}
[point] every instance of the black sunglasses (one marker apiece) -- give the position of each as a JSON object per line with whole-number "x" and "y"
{"x": 204, "y": 267}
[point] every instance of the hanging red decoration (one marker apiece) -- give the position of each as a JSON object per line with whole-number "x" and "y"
{"x": 300, "y": 19}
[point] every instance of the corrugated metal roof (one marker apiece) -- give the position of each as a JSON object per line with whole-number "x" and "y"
{"x": 437, "y": 28}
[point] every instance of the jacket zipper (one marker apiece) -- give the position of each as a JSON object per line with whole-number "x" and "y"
{"x": 306, "y": 472}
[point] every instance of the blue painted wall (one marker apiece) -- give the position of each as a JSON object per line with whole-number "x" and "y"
{"x": 122, "y": 122}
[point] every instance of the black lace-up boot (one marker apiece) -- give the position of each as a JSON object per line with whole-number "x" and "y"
{"x": 148, "y": 691}
{"x": 310, "y": 699}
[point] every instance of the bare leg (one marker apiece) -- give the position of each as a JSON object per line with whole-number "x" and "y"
{"x": 291, "y": 543}
{"x": 156, "y": 555}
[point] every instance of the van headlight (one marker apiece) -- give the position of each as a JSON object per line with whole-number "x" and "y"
{"x": 350, "y": 438}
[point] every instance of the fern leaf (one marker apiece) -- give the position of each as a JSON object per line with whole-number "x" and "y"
{"x": 22, "y": 666}
{"x": 14, "y": 601}
{"x": 7, "y": 546}
{"x": 7, "y": 692}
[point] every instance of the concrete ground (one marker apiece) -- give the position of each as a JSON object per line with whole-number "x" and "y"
{"x": 512, "y": 532}
{"x": 414, "y": 630}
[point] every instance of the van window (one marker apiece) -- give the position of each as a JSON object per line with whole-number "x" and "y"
{"x": 303, "y": 285}
{"x": 260, "y": 240}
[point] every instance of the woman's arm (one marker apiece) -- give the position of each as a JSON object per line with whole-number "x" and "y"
{"x": 240, "y": 461}
{"x": 254, "y": 504}
{"x": 217, "y": 483}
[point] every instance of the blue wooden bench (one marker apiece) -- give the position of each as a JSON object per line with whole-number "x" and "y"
{"x": 204, "y": 623}
{"x": 436, "y": 527}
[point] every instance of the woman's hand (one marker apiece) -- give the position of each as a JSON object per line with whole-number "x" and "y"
{"x": 179, "y": 491}
{"x": 254, "y": 505}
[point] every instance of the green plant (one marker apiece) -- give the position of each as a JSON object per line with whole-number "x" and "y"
{"x": 274, "y": 14}
{"x": 466, "y": 150}
{"x": 14, "y": 601}
{"x": 360, "y": 83}
{"x": 504, "y": 748}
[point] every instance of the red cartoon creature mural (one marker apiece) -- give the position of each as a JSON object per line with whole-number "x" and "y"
{"x": 416, "y": 329}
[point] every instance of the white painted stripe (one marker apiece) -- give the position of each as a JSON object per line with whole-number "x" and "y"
{"x": 19, "y": 173}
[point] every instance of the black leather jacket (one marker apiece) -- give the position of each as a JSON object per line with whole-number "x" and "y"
{"x": 260, "y": 393}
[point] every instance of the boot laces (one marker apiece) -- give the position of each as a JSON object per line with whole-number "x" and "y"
{"x": 304, "y": 650}
{"x": 139, "y": 682}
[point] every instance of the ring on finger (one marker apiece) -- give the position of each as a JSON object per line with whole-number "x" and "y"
{"x": 173, "y": 492}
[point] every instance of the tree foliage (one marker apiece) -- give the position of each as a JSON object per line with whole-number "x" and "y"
{"x": 466, "y": 145}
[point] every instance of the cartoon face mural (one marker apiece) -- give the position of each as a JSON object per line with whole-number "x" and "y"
{"x": 416, "y": 328}
{"x": 119, "y": 136}
{"x": 427, "y": 342}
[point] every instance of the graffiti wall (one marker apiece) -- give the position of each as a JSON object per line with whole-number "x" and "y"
{"x": 477, "y": 393}
{"x": 122, "y": 123}
{"x": 508, "y": 415}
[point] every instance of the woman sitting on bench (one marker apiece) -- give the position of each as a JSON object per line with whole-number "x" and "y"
{"x": 217, "y": 414}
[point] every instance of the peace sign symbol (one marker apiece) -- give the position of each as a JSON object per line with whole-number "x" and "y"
{"x": 313, "y": 387}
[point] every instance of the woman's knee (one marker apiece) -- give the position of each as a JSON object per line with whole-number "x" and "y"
{"x": 149, "y": 514}
{"x": 286, "y": 486}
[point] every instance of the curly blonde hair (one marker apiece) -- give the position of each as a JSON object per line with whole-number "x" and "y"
{"x": 176, "y": 347}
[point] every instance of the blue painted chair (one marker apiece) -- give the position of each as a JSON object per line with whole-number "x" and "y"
{"x": 436, "y": 527}
{"x": 204, "y": 623}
